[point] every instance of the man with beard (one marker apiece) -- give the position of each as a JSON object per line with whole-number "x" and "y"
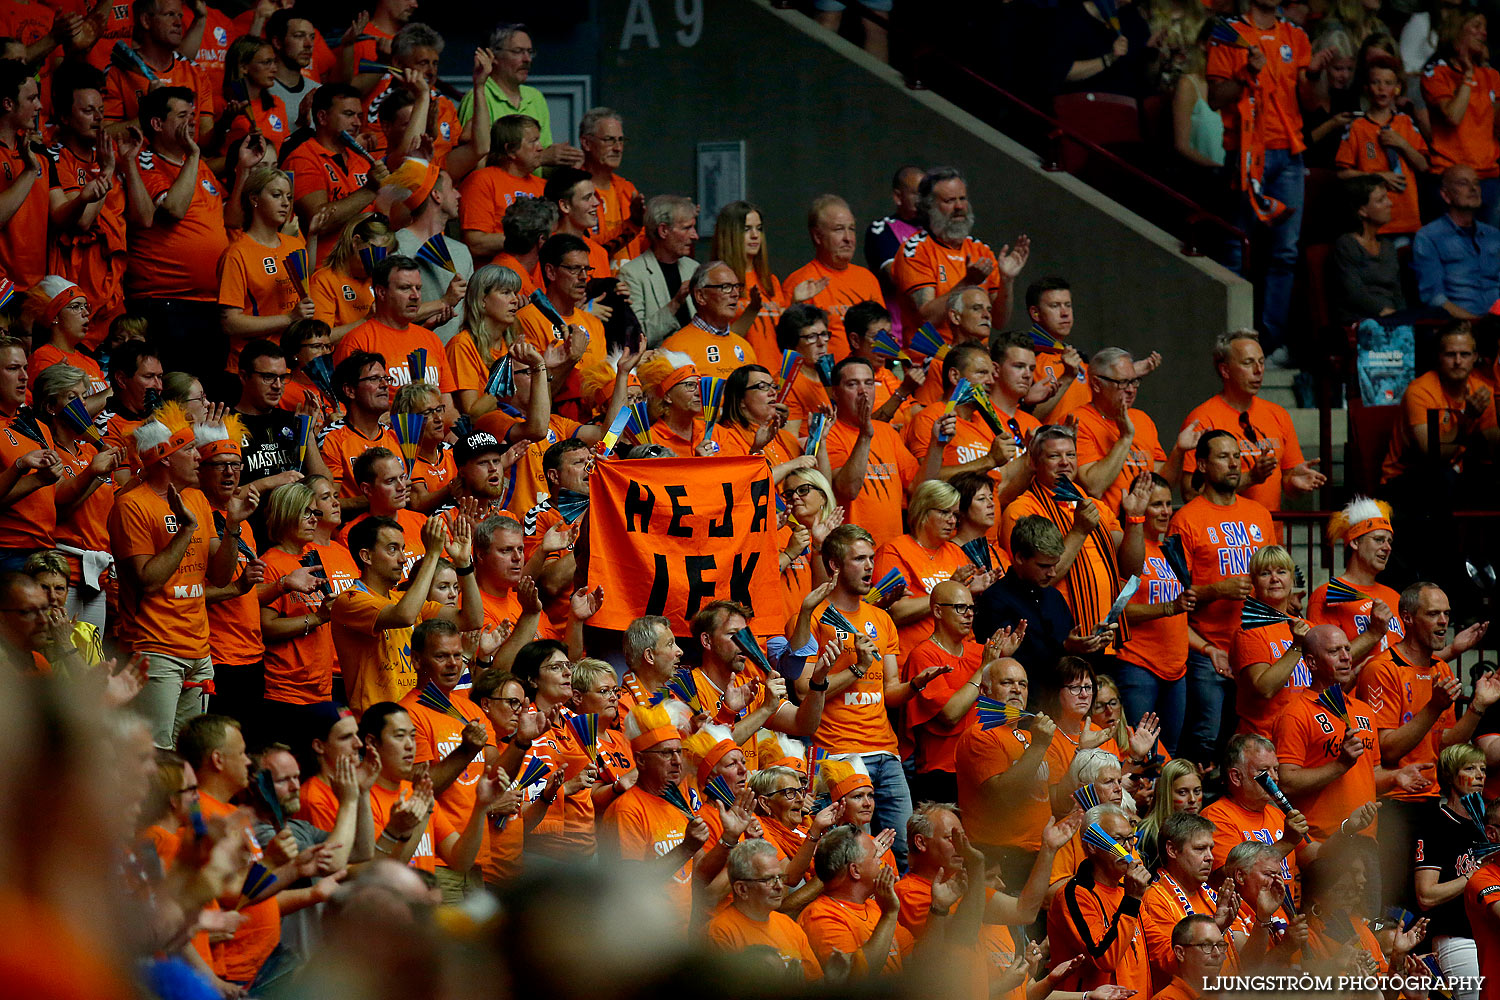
{"x": 270, "y": 445}
{"x": 293, "y": 39}
{"x": 88, "y": 248}
{"x": 485, "y": 470}
{"x": 23, "y": 212}
{"x": 831, "y": 280}
{"x": 933, "y": 263}
{"x": 757, "y": 890}
{"x": 1220, "y": 531}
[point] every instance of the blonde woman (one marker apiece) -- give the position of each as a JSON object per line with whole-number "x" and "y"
{"x": 434, "y": 470}
{"x": 493, "y": 298}
{"x": 811, "y": 515}
{"x": 740, "y": 242}
{"x": 1179, "y": 789}
{"x": 1267, "y": 662}
{"x": 257, "y": 292}
{"x": 340, "y": 290}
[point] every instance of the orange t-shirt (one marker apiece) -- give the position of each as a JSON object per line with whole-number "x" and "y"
{"x": 338, "y": 299}
{"x": 1160, "y": 645}
{"x": 376, "y": 663}
{"x": 640, "y": 826}
{"x": 924, "y": 569}
{"x": 537, "y": 330}
{"x": 712, "y": 353}
{"x": 500, "y": 855}
{"x": 1480, "y": 895}
{"x": 272, "y": 122}
{"x": 1165, "y": 903}
{"x": 342, "y": 445}
{"x": 255, "y": 278}
{"x": 1360, "y": 149}
{"x": 1274, "y": 435}
{"x": 1423, "y": 393}
{"x": 1397, "y": 691}
{"x": 300, "y": 671}
{"x": 1264, "y": 645}
{"x": 530, "y": 482}
{"x": 923, "y": 262}
{"x": 244, "y": 953}
{"x": 849, "y": 287}
{"x": 123, "y": 89}
{"x": 807, "y": 395}
{"x": 46, "y": 356}
{"x": 337, "y": 174}
{"x": 1354, "y": 616}
{"x": 441, "y": 111}
{"x": 381, "y": 800}
{"x": 177, "y": 259}
{"x": 1472, "y": 141}
{"x": 411, "y": 529}
{"x": 838, "y": 925}
{"x": 23, "y": 240}
{"x": 614, "y": 214}
{"x": 470, "y": 371}
{"x": 1234, "y": 824}
{"x": 438, "y": 735}
{"x": 1016, "y": 822}
{"x": 971, "y": 440}
{"x": 1287, "y": 53}
{"x": 173, "y": 620}
{"x": 567, "y": 831}
{"x": 88, "y": 526}
{"x": 1092, "y": 920}
{"x": 1075, "y": 394}
{"x": 93, "y": 259}
{"x": 855, "y": 721}
{"x": 531, "y": 279}
{"x": 1092, "y": 581}
{"x": 762, "y": 333}
{"x": 1097, "y": 434}
{"x": 29, "y": 523}
{"x": 1219, "y": 542}
{"x": 1309, "y": 735}
{"x": 434, "y": 475}
{"x": 891, "y": 470}
{"x": 234, "y": 625}
{"x": 731, "y": 930}
{"x": 488, "y": 192}
{"x": 394, "y": 345}
{"x": 936, "y": 740}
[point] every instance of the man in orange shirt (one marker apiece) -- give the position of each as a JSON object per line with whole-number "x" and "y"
{"x": 1328, "y": 762}
{"x": 1482, "y": 907}
{"x": 392, "y": 332}
{"x": 858, "y": 913}
{"x": 88, "y": 248}
{"x": 1466, "y": 417}
{"x": 972, "y": 446}
{"x": 831, "y": 280}
{"x": 1198, "y": 951}
{"x": 499, "y": 545}
{"x": 1256, "y": 86}
{"x": 381, "y": 477}
{"x": 715, "y": 348}
{"x": 873, "y": 470}
{"x": 640, "y": 827}
{"x": 526, "y": 225}
{"x": 168, "y": 551}
{"x": 1364, "y": 527}
{"x": 933, "y": 262}
{"x": 1094, "y": 565}
{"x": 177, "y": 213}
{"x": 1412, "y": 692}
{"x": 1220, "y": 531}
{"x": 508, "y": 176}
{"x": 23, "y": 201}
{"x": 1274, "y": 465}
{"x": 565, "y": 276}
{"x": 1097, "y": 915}
{"x": 1245, "y": 811}
{"x": 327, "y": 174}
{"x": 158, "y": 35}
{"x": 363, "y": 384}
{"x": 401, "y": 803}
{"x": 1181, "y": 890}
{"x": 452, "y": 750}
{"x": 1116, "y": 441}
{"x": 572, "y": 192}
{"x": 753, "y": 916}
{"x": 622, "y": 209}
{"x": 31, "y": 469}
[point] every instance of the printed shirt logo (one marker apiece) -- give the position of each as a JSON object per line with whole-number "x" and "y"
{"x": 1286, "y": 53}
{"x": 208, "y": 185}
{"x": 871, "y": 631}
{"x": 221, "y": 37}
{"x": 275, "y": 122}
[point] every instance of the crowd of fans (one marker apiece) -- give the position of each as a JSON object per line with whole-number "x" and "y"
{"x": 308, "y": 372}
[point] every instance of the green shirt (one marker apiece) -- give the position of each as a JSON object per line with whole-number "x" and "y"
{"x": 532, "y": 104}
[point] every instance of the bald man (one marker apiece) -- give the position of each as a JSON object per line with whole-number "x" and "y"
{"x": 939, "y": 712}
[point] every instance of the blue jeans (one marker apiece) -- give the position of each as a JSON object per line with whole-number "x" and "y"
{"x": 1283, "y": 180}
{"x": 1141, "y": 691}
{"x": 892, "y": 800}
{"x": 1210, "y": 698}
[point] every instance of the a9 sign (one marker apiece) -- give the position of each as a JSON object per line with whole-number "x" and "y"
{"x": 640, "y": 24}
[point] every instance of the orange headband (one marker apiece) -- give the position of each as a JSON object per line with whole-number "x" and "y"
{"x": 852, "y": 783}
{"x": 711, "y": 759}
{"x": 171, "y": 446}
{"x": 60, "y": 301}
{"x": 1368, "y": 525}
{"x": 652, "y": 737}
{"x": 678, "y": 377}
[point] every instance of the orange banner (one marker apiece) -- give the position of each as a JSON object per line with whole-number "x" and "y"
{"x": 670, "y": 535}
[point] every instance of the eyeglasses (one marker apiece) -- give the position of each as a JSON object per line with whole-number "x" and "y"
{"x": 430, "y": 412}
{"x": 662, "y": 753}
{"x": 964, "y": 610}
{"x": 78, "y": 307}
{"x": 274, "y": 378}
{"x": 224, "y": 466}
{"x": 798, "y": 492}
{"x": 514, "y": 704}
{"x": 1210, "y": 945}
{"x": 944, "y": 513}
{"x": 1079, "y": 688}
{"x": 576, "y": 270}
{"x": 761, "y": 387}
{"x": 609, "y": 140}
{"x": 377, "y": 379}
{"x": 1248, "y": 428}
{"x": 1120, "y": 383}
{"x": 189, "y": 790}
{"x": 790, "y": 794}
{"x": 311, "y": 514}
{"x": 196, "y": 399}
{"x": 520, "y": 52}
{"x": 814, "y": 336}
{"x": 777, "y": 879}
{"x": 1112, "y": 703}
{"x": 727, "y": 287}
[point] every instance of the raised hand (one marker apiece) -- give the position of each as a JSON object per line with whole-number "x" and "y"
{"x": 1013, "y": 256}
{"x": 820, "y": 529}
{"x": 884, "y": 841}
{"x": 367, "y": 771}
{"x": 185, "y": 519}
{"x": 1057, "y": 832}
{"x": 345, "y": 780}
{"x": 1005, "y": 641}
{"x": 123, "y": 684}
{"x": 809, "y": 289}
{"x": 1144, "y": 736}
{"x": 585, "y": 603}
{"x": 434, "y": 536}
{"x": 885, "y": 887}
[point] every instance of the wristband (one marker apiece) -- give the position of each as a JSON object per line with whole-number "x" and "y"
{"x": 469, "y": 569}
{"x": 858, "y": 671}
{"x": 818, "y": 687}
{"x": 1135, "y": 519}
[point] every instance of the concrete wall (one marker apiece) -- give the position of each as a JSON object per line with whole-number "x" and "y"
{"x": 817, "y": 115}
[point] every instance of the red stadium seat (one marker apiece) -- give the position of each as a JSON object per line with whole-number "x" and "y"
{"x": 1111, "y": 120}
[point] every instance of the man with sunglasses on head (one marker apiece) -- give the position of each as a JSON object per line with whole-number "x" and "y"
{"x": 1272, "y": 456}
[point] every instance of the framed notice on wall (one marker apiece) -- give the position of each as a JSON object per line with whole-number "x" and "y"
{"x": 721, "y": 179}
